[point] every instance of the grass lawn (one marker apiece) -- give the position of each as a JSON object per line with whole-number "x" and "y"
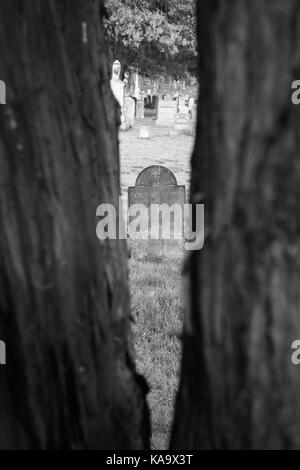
{"x": 157, "y": 310}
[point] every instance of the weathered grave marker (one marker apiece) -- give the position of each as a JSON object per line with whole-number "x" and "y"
{"x": 183, "y": 117}
{"x": 156, "y": 209}
{"x": 130, "y": 111}
{"x": 181, "y": 103}
{"x": 144, "y": 132}
{"x": 166, "y": 113}
{"x": 140, "y": 109}
{"x": 191, "y": 103}
{"x": 182, "y": 121}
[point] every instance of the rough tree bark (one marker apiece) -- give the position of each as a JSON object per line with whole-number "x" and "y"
{"x": 69, "y": 381}
{"x": 239, "y": 389}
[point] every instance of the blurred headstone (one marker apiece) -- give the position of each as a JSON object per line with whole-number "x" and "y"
{"x": 181, "y": 103}
{"x": 166, "y": 113}
{"x": 182, "y": 121}
{"x": 130, "y": 110}
{"x": 144, "y": 132}
{"x": 155, "y": 106}
{"x": 140, "y": 109}
{"x": 191, "y": 103}
{"x": 137, "y": 91}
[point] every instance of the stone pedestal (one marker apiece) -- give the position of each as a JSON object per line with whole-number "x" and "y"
{"x": 117, "y": 87}
{"x": 144, "y": 132}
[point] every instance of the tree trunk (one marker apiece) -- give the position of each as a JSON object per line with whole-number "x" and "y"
{"x": 69, "y": 381}
{"x": 239, "y": 389}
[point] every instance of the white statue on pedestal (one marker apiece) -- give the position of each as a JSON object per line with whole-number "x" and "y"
{"x": 117, "y": 87}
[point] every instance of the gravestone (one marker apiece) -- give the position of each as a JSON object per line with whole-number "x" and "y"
{"x": 181, "y": 103}
{"x": 182, "y": 121}
{"x": 130, "y": 111}
{"x": 155, "y": 106}
{"x": 191, "y": 103}
{"x": 140, "y": 109}
{"x": 166, "y": 113}
{"x": 161, "y": 220}
{"x": 137, "y": 91}
{"x": 144, "y": 132}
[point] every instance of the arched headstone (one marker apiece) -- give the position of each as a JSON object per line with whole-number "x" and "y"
{"x": 156, "y": 175}
{"x": 162, "y": 216}
{"x": 130, "y": 111}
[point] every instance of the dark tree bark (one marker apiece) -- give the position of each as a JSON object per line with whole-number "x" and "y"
{"x": 239, "y": 389}
{"x": 69, "y": 381}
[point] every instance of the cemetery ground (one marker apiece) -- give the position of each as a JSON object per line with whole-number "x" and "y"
{"x": 157, "y": 310}
{"x": 156, "y": 296}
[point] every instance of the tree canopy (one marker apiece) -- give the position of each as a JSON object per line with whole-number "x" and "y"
{"x": 158, "y": 37}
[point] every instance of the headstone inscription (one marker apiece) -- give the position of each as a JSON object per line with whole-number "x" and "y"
{"x": 161, "y": 215}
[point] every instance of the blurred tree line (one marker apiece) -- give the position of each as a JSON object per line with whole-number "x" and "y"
{"x": 158, "y": 37}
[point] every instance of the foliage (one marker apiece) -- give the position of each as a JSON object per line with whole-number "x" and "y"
{"x": 156, "y": 36}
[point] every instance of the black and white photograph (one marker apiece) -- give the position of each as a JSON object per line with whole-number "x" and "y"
{"x": 149, "y": 227}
